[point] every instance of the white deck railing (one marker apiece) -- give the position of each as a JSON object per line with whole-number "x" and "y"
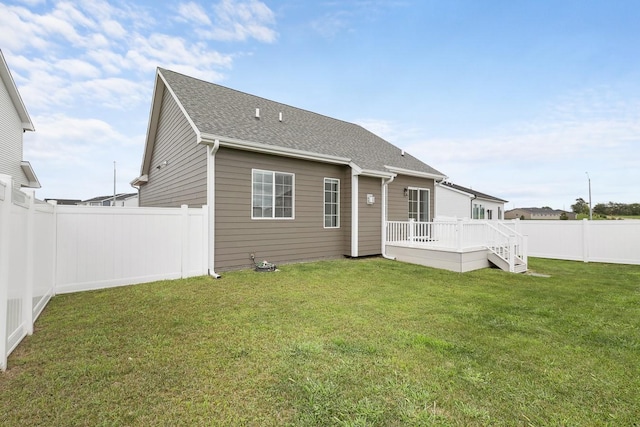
{"x": 498, "y": 237}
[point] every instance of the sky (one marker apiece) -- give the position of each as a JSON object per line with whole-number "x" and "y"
{"x": 525, "y": 100}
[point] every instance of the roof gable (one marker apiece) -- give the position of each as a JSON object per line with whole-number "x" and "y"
{"x": 237, "y": 116}
{"x": 16, "y": 99}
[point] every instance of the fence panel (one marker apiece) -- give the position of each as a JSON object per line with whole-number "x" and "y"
{"x": 599, "y": 241}
{"x": 99, "y": 247}
{"x": 44, "y": 246}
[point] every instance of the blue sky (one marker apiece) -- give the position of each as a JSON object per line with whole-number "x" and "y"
{"x": 517, "y": 99}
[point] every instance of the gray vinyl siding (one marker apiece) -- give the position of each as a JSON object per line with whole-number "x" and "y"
{"x": 276, "y": 240}
{"x": 398, "y": 209}
{"x": 10, "y": 139}
{"x": 370, "y": 218}
{"x": 183, "y": 181}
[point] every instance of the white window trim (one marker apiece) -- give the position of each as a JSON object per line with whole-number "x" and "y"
{"x": 293, "y": 196}
{"x": 428, "y": 190}
{"x": 324, "y": 203}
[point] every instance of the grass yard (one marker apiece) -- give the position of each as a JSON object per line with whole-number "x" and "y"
{"x": 339, "y": 343}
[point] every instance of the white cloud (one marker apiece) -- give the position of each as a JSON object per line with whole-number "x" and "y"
{"x": 78, "y": 68}
{"x": 193, "y": 12}
{"x": 239, "y": 21}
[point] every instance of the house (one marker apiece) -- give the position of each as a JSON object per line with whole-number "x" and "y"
{"x": 63, "y": 202}
{"x": 539, "y": 213}
{"x": 456, "y": 201}
{"x": 280, "y": 183}
{"x": 14, "y": 121}
{"x": 121, "y": 199}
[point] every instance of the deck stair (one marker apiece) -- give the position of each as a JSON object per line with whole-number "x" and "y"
{"x": 506, "y": 248}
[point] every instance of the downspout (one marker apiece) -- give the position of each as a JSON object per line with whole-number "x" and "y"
{"x": 473, "y": 197}
{"x": 385, "y": 191}
{"x": 211, "y": 206}
{"x": 355, "y": 212}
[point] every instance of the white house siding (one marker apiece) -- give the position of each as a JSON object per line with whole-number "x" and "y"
{"x": 451, "y": 203}
{"x": 10, "y": 138}
{"x": 493, "y": 207}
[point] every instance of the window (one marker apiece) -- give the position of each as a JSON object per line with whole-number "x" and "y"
{"x": 331, "y": 203}
{"x": 419, "y": 204}
{"x": 478, "y": 211}
{"x": 272, "y": 194}
{"x": 499, "y": 212}
{"x": 489, "y": 214}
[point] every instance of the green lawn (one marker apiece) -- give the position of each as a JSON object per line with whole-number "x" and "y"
{"x": 345, "y": 343}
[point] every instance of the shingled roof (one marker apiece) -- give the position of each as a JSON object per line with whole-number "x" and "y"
{"x": 228, "y": 113}
{"x": 476, "y": 193}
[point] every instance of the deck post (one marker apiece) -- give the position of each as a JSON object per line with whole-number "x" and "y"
{"x": 412, "y": 223}
{"x": 512, "y": 255}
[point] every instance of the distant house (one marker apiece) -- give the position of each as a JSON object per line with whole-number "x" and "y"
{"x": 122, "y": 199}
{"x": 538, "y": 213}
{"x": 14, "y": 121}
{"x": 282, "y": 183}
{"x": 64, "y": 202}
{"x": 454, "y": 200}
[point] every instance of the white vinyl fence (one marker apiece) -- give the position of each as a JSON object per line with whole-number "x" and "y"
{"x": 615, "y": 242}
{"x": 46, "y": 250}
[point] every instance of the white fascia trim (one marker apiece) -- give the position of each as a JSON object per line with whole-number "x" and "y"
{"x": 143, "y": 179}
{"x": 409, "y": 172}
{"x": 259, "y": 147}
{"x": 30, "y": 174}
{"x": 16, "y": 99}
{"x": 377, "y": 174}
{"x": 175, "y": 98}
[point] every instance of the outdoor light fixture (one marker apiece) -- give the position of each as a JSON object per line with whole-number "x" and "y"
{"x": 406, "y": 191}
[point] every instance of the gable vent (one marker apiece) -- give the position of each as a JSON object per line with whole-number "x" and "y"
{"x": 257, "y": 113}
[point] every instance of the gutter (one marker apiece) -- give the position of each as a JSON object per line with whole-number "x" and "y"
{"x": 385, "y": 191}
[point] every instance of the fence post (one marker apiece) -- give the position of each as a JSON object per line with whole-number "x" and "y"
{"x": 184, "y": 250}
{"x": 585, "y": 240}
{"x": 27, "y": 296}
{"x": 6, "y": 182}
{"x": 460, "y": 233}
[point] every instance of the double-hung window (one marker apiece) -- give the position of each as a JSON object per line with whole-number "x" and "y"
{"x": 331, "y": 203}
{"x": 419, "y": 204}
{"x": 272, "y": 194}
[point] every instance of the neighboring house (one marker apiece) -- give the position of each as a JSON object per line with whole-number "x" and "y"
{"x": 280, "y": 182}
{"x": 64, "y": 202}
{"x": 538, "y": 213}
{"x": 465, "y": 203}
{"x": 122, "y": 199}
{"x": 14, "y": 121}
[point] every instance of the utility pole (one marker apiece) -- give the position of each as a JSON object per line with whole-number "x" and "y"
{"x": 114, "y": 183}
{"x": 590, "y": 205}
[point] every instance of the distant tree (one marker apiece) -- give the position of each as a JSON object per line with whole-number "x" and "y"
{"x": 580, "y": 207}
{"x": 563, "y": 215}
{"x": 547, "y": 208}
{"x": 522, "y": 217}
